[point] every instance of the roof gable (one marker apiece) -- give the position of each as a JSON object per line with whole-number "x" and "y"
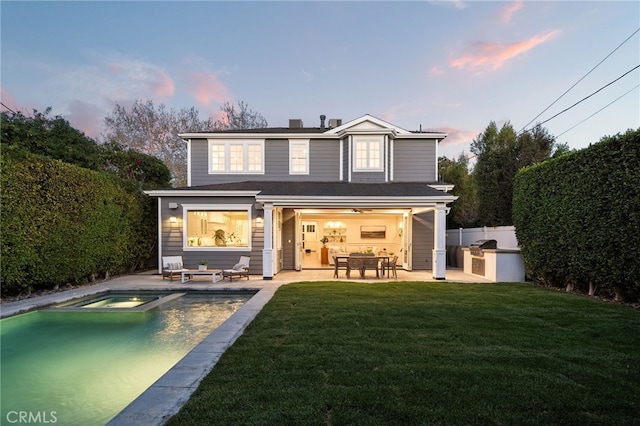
{"x": 367, "y": 124}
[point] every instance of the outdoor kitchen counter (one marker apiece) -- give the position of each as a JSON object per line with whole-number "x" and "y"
{"x": 497, "y": 265}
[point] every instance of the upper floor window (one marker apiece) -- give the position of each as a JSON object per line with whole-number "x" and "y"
{"x": 236, "y": 156}
{"x": 367, "y": 154}
{"x": 299, "y": 157}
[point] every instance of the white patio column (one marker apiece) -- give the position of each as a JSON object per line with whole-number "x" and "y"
{"x": 439, "y": 257}
{"x": 267, "y": 251}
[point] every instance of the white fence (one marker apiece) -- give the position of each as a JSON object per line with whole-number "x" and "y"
{"x": 504, "y": 235}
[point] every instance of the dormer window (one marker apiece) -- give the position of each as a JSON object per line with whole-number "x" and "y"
{"x": 368, "y": 153}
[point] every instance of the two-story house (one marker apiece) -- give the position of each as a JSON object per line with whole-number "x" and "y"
{"x": 275, "y": 193}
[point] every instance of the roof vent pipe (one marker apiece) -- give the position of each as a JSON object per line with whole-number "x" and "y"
{"x": 322, "y": 118}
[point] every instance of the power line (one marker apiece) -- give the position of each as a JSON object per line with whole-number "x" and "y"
{"x": 604, "y": 107}
{"x": 587, "y": 97}
{"x": 577, "y": 82}
{"x": 8, "y": 108}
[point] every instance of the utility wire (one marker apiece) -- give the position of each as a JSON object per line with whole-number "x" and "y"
{"x": 577, "y": 82}
{"x": 587, "y": 97}
{"x": 8, "y": 108}
{"x": 612, "y": 102}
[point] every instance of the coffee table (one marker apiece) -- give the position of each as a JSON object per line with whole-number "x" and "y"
{"x": 216, "y": 274}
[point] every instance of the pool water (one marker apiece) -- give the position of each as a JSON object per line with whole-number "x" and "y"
{"x": 82, "y": 368}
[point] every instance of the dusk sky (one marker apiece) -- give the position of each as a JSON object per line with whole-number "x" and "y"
{"x": 450, "y": 66}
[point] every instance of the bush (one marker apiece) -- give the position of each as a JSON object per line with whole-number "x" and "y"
{"x": 63, "y": 224}
{"x": 577, "y": 218}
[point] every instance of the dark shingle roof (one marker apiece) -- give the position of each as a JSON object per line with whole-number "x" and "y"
{"x": 326, "y": 189}
{"x": 274, "y": 130}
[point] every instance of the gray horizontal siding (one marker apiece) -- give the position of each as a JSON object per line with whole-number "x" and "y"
{"x": 414, "y": 161}
{"x": 172, "y": 236}
{"x": 368, "y": 177}
{"x": 323, "y": 163}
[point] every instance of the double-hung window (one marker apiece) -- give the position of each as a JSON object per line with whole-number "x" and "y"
{"x": 236, "y": 156}
{"x": 299, "y": 157}
{"x": 367, "y": 154}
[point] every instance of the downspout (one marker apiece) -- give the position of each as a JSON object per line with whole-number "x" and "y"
{"x": 188, "y": 141}
{"x": 160, "y": 235}
{"x": 267, "y": 251}
{"x": 341, "y": 159}
{"x": 437, "y": 161}
{"x": 349, "y": 149}
{"x": 386, "y": 158}
{"x": 391, "y": 144}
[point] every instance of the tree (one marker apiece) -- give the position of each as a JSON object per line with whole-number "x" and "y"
{"x": 130, "y": 164}
{"x": 500, "y": 154}
{"x": 464, "y": 211}
{"x": 55, "y": 138}
{"x": 242, "y": 118}
{"x": 154, "y": 130}
{"x": 50, "y": 137}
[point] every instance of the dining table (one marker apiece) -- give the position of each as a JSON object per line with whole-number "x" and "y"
{"x": 351, "y": 259}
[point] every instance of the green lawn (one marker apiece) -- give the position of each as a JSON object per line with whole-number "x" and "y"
{"x": 409, "y": 353}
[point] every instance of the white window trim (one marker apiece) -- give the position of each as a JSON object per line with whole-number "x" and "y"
{"x": 215, "y": 207}
{"x": 292, "y": 143}
{"x": 380, "y": 141}
{"x": 227, "y": 157}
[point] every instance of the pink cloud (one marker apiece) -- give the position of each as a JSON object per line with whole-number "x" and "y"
{"x": 206, "y": 88}
{"x": 492, "y": 56}
{"x": 162, "y": 85}
{"x": 506, "y": 13}
{"x": 436, "y": 70}
{"x": 136, "y": 79}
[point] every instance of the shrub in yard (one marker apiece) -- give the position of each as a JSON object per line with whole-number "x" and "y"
{"x": 577, "y": 218}
{"x": 65, "y": 224}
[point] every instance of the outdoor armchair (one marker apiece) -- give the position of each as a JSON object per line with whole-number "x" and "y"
{"x": 172, "y": 265}
{"x": 240, "y": 269}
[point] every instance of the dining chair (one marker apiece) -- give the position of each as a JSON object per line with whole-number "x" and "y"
{"x": 340, "y": 263}
{"x": 390, "y": 265}
{"x": 355, "y": 263}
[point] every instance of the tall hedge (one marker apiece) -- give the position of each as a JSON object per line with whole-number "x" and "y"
{"x": 577, "y": 218}
{"x": 65, "y": 224}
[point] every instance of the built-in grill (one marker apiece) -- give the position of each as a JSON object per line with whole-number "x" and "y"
{"x": 476, "y": 248}
{"x": 477, "y": 253}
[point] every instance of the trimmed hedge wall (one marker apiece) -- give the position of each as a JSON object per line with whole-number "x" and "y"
{"x": 577, "y": 218}
{"x": 63, "y": 224}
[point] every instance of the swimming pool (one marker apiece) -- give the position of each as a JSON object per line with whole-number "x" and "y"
{"x": 82, "y": 367}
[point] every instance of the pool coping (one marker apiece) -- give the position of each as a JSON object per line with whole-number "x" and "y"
{"x": 170, "y": 392}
